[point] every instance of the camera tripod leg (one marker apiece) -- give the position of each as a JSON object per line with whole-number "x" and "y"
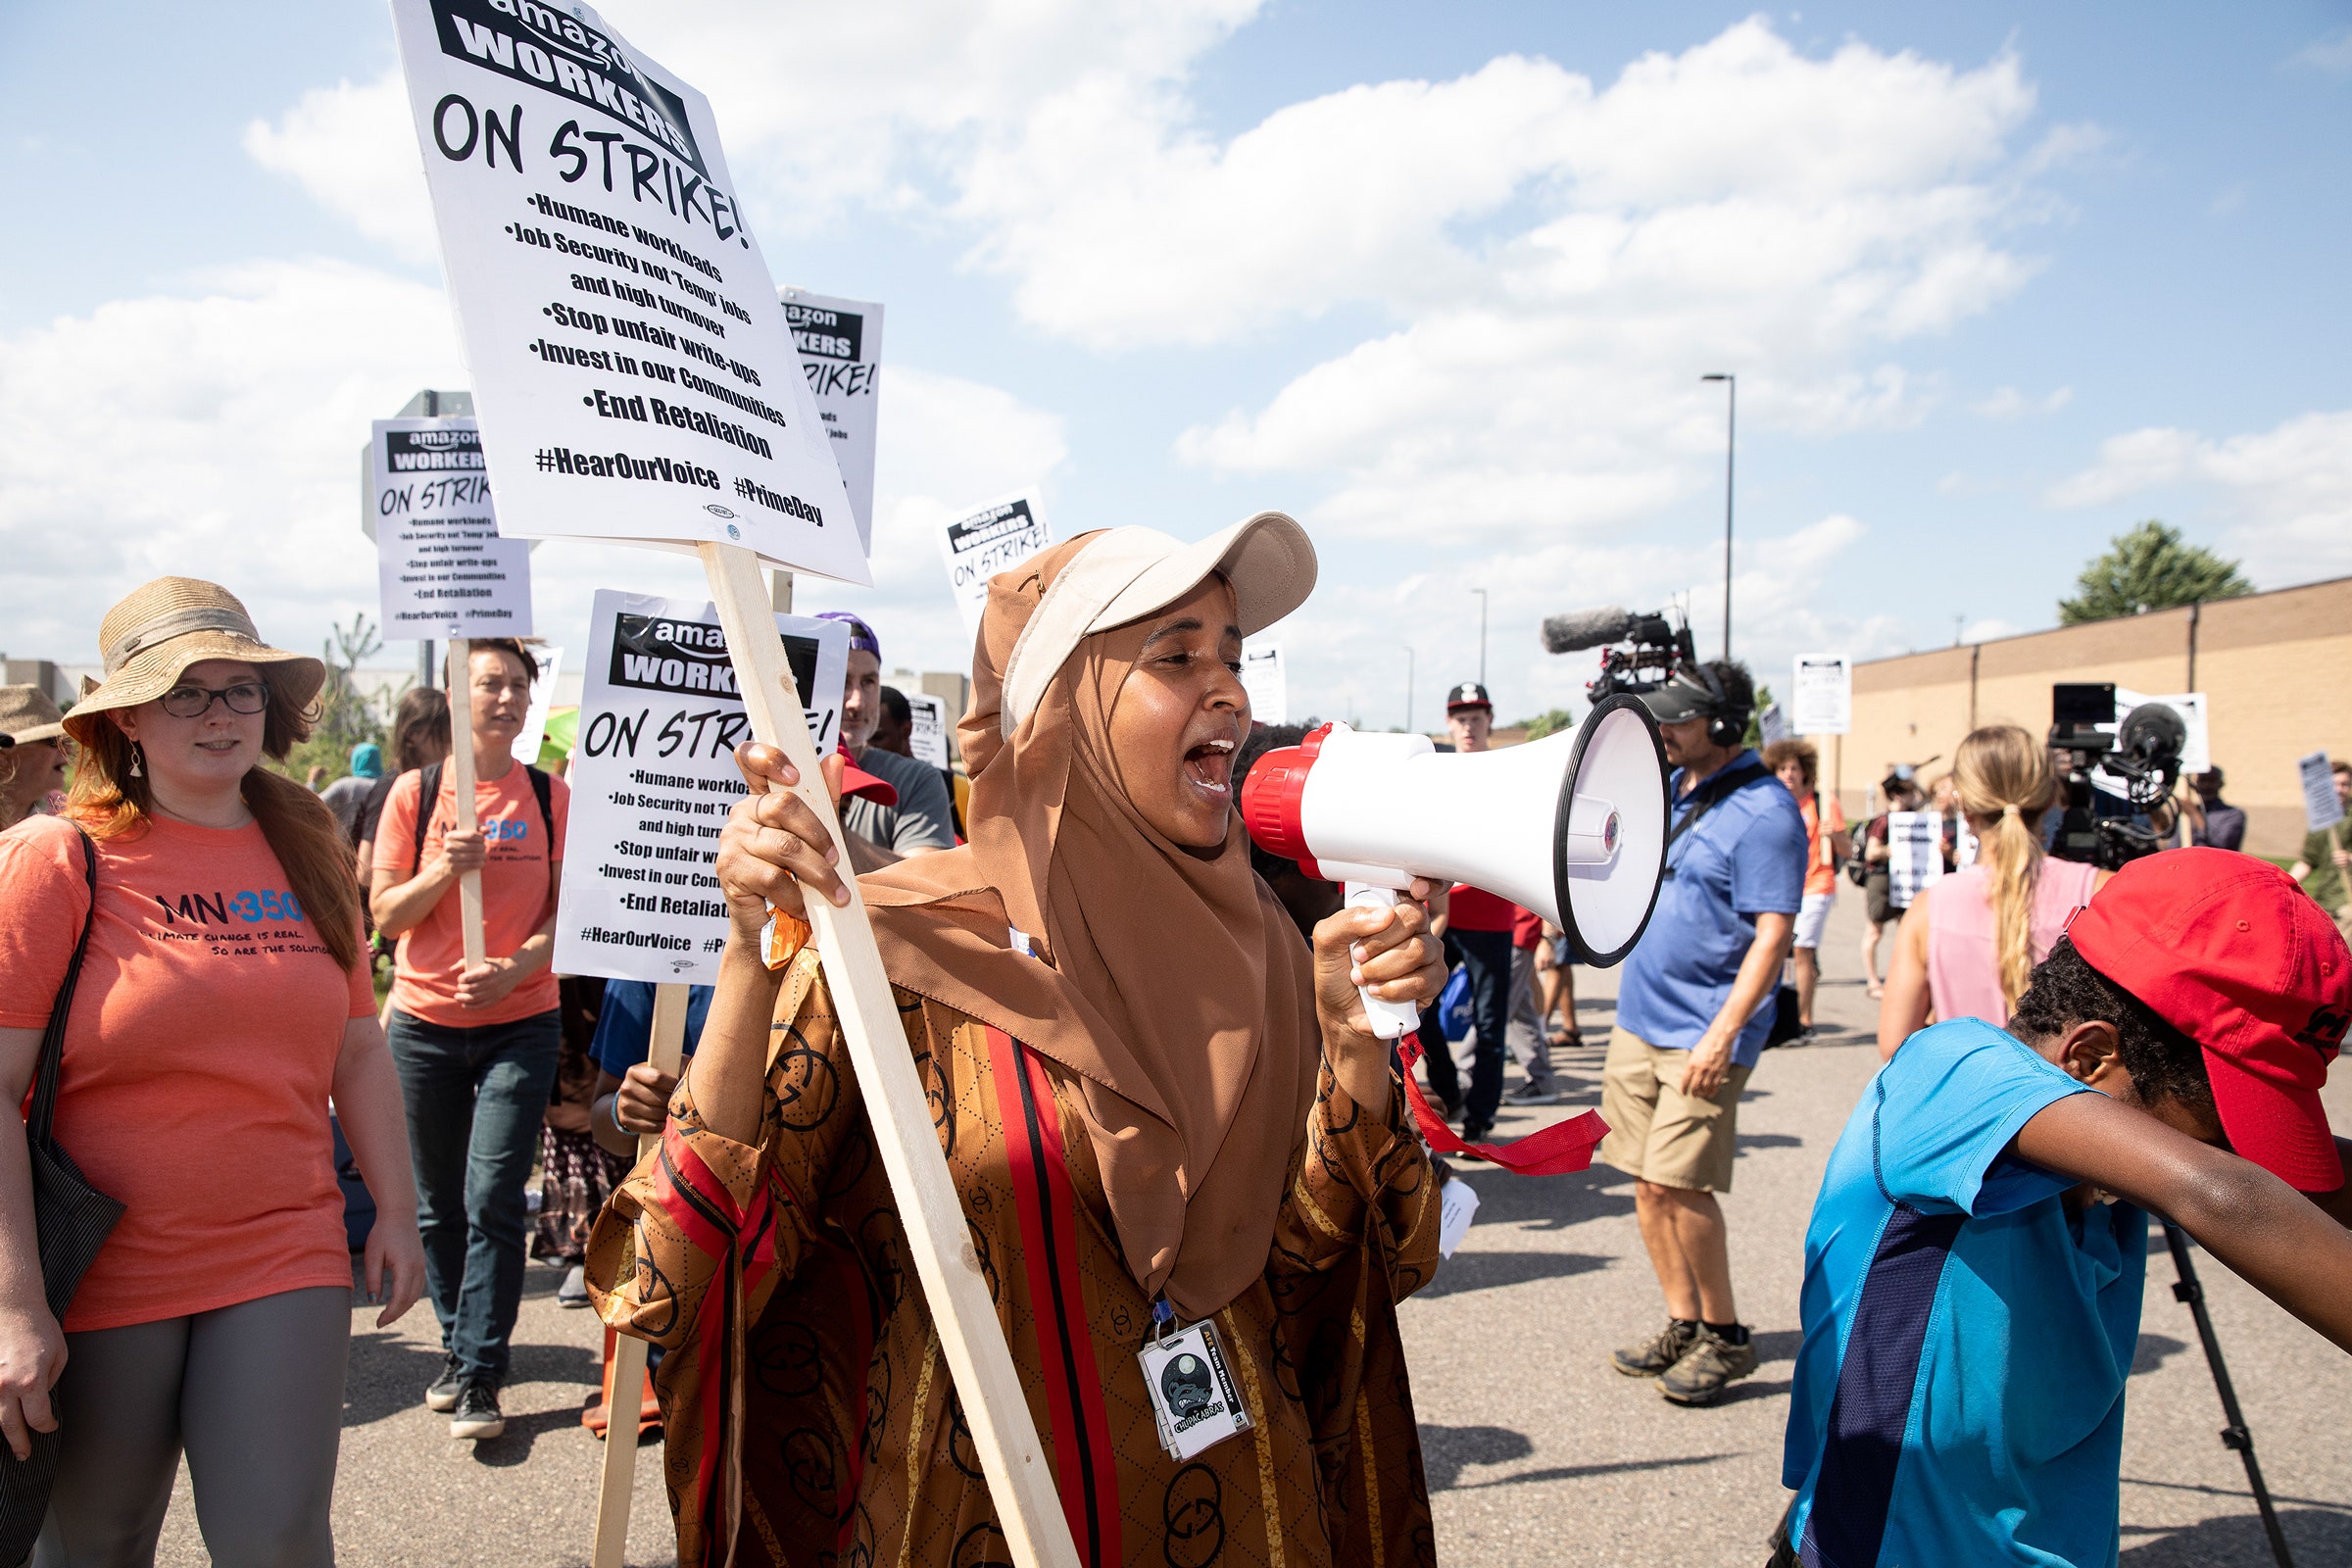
{"x": 2191, "y": 1290}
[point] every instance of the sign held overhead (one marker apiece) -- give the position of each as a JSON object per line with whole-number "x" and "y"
{"x": 985, "y": 541}
{"x": 443, "y": 570}
{"x": 840, "y": 342}
{"x": 632, "y": 367}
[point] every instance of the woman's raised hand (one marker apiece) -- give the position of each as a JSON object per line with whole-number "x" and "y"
{"x": 1392, "y": 951}
{"x": 773, "y": 845}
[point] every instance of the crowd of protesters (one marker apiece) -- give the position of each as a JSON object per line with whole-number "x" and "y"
{"x": 159, "y": 871}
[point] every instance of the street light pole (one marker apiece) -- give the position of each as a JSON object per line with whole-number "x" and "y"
{"x": 1482, "y": 634}
{"x": 1731, "y": 446}
{"x": 1409, "y": 690}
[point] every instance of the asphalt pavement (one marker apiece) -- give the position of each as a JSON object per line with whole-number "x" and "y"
{"x": 1538, "y": 1453}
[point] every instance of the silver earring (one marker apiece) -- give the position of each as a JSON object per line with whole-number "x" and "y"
{"x": 136, "y": 772}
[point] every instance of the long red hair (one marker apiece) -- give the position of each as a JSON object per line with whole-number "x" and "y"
{"x": 110, "y": 802}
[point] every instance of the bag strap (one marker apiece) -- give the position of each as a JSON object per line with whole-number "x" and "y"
{"x": 428, "y": 797}
{"x": 1714, "y": 792}
{"x": 51, "y": 1064}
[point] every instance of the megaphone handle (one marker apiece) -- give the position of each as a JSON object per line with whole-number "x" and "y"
{"x": 1390, "y": 1020}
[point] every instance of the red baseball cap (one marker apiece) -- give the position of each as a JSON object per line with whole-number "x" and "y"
{"x": 858, "y": 783}
{"x": 2228, "y": 951}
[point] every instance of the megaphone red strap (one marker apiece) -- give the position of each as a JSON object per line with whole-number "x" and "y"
{"x": 1554, "y": 1151}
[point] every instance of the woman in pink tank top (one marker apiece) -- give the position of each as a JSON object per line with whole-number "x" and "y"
{"x": 1968, "y": 945}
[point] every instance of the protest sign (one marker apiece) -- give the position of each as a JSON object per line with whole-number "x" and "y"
{"x": 1261, "y": 678}
{"x": 528, "y": 739}
{"x": 1771, "y": 726}
{"x": 985, "y": 541}
{"x": 1915, "y": 854}
{"x": 654, "y": 776}
{"x": 928, "y": 739}
{"x": 2322, "y": 810}
{"x": 1820, "y": 695}
{"x": 632, "y": 367}
{"x": 443, "y": 569}
{"x": 840, "y": 342}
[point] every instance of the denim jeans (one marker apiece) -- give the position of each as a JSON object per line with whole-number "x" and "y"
{"x": 475, "y": 1098}
{"x": 1487, "y": 954}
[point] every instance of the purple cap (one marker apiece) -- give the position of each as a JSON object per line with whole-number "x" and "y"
{"x": 861, "y": 636}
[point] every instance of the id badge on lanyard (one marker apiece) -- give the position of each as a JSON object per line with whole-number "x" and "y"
{"x": 1194, "y": 1401}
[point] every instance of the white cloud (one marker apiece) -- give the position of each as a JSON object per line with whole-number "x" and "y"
{"x": 219, "y": 436}
{"x": 2008, "y": 403}
{"x": 2282, "y": 498}
{"x": 1990, "y": 629}
{"x": 354, "y": 150}
{"x": 2331, "y": 54}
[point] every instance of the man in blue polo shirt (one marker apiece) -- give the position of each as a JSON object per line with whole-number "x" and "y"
{"x": 1694, "y": 1004}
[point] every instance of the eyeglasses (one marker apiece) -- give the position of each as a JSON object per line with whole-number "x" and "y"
{"x": 194, "y": 702}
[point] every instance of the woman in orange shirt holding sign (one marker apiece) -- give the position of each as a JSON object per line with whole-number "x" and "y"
{"x": 223, "y": 996}
{"x": 477, "y": 1048}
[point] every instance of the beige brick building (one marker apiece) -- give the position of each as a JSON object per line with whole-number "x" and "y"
{"x": 2275, "y": 670}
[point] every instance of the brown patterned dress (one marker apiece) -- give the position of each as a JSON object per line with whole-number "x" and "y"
{"x": 811, "y": 1419}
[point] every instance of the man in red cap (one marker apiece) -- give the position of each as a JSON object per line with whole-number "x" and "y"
{"x": 1977, "y": 1257}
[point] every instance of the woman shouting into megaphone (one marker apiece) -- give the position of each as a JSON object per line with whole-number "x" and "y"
{"x": 1184, "y": 1168}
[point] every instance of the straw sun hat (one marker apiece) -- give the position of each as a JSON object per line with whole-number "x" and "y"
{"x": 27, "y": 716}
{"x": 155, "y": 631}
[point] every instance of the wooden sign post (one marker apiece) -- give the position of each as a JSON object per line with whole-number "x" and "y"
{"x": 461, "y": 772}
{"x": 622, "y": 1404}
{"x": 972, "y": 1341}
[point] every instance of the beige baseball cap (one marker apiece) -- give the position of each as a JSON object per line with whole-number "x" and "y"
{"x": 1128, "y": 573}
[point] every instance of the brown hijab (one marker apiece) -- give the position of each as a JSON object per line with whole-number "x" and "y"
{"x": 1171, "y": 981}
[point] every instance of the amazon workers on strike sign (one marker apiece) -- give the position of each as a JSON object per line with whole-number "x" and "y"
{"x": 653, "y": 778}
{"x": 633, "y": 371}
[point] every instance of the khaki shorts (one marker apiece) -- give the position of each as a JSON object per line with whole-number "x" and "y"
{"x": 1658, "y": 1133}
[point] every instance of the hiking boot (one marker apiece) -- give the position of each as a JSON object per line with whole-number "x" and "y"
{"x": 477, "y": 1415}
{"x": 1657, "y": 1353}
{"x": 1531, "y": 1093}
{"x": 1707, "y": 1368}
{"x": 443, "y": 1393}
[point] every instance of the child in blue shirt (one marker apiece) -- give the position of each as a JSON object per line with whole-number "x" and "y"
{"x": 1976, "y": 1255}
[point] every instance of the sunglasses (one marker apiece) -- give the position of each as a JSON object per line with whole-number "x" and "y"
{"x": 194, "y": 702}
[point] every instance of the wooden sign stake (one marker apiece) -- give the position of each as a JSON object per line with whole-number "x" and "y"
{"x": 461, "y": 767}
{"x": 970, "y": 1338}
{"x": 628, "y": 1353}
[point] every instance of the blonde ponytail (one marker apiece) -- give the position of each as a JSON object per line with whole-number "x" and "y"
{"x": 2005, "y": 782}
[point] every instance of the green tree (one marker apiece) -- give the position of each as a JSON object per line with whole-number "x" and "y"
{"x": 1548, "y": 724}
{"x": 2149, "y": 569}
{"x": 1756, "y": 718}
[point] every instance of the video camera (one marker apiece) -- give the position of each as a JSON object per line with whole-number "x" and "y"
{"x": 2142, "y": 753}
{"x": 1657, "y": 648}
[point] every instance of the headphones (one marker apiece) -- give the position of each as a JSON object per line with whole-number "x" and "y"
{"x": 1726, "y": 722}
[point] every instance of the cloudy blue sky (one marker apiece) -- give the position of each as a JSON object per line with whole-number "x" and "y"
{"x": 1441, "y": 281}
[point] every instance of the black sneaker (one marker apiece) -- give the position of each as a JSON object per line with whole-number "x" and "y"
{"x": 443, "y": 1393}
{"x": 1477, "y": 1132}
{"x": 1531, "y": 1093}
{"x": 476, "y": 1414}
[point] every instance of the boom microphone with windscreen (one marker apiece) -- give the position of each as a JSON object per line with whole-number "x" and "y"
{"x": 1580, "y": 629}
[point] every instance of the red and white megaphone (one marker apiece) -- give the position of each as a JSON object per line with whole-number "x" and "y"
{"x": 1572, "y": 827}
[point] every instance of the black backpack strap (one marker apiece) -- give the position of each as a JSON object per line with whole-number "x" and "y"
{"x": 1712, "y": 794}
{"x": 428, "y": 796}
{"x": 51, "y": 1066}
{"x": 543, "y": 790}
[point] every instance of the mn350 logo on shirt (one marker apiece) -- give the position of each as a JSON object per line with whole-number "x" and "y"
{"x": 246, "y": 907}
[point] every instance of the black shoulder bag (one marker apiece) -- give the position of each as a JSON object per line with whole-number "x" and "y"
{"x": 73, "y": 1221}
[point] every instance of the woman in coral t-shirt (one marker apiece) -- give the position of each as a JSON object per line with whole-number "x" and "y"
{"x": 224, "y": 999}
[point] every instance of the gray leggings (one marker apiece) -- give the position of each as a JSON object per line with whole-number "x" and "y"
{"x": 253, "y": 1392}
